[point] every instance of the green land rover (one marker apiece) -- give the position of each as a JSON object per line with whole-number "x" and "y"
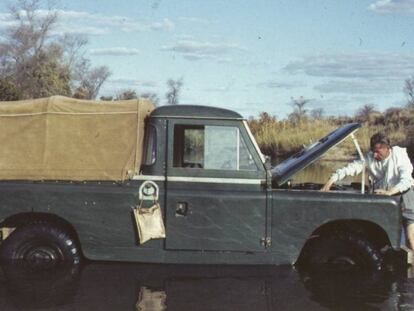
{"x": 221, "y": 201}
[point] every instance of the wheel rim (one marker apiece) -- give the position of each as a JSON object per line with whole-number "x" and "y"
{"x": 343, "y": 262}
{"x": 348, "y": 262}
{"x": 39, "y": 254}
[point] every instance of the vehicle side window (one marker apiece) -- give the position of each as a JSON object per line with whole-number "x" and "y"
{"x": 150, "y": 144}
{"x": 211, "y": 147}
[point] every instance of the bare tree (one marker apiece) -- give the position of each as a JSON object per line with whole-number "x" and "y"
{"x": 365, "y": 111}
{"x": 299, "y": 112}
{"x": 29, "y": 35}
{"x": 174, "y": 88}
{"x": 409, "y": 91}
{"x": 92, "y": 81}
{"x": 317, "y": 113}
{"x": 126, "y": 94}
{"x": 264, "y": 118}
{"x": 73, "y": 52}
{"x": 152, "y": 97}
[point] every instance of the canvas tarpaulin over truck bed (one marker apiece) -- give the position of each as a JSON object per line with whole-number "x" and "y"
{"x": 60, "y": 138}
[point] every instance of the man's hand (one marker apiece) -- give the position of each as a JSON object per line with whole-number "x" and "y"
{"x": 382, "y": 192}
{"x": 327, "y": 186}
{"x": 392, "y": 191}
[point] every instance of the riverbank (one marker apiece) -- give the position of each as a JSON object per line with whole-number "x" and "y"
{"x": 281, "y": 139}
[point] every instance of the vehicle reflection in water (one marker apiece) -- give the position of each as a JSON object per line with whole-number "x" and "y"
{"x": 110, "y": 286}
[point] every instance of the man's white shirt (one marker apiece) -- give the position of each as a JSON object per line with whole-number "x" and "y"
{"x": 394, "y": 171}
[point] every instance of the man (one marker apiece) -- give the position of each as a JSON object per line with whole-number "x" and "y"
{"x": 390, "y": 170}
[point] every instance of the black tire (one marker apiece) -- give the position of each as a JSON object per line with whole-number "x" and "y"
{"x": 342, "y": 251}
{"x": 40, "y": 246}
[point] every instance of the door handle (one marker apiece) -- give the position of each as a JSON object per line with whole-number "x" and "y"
{"x": 181, "y": 209}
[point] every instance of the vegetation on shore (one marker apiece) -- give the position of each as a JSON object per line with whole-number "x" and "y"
{"x": 282, "y": 138}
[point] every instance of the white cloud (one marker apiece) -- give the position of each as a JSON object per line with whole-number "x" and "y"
{"x": 224, "y": 60}
{"x": 198, "y": 50}
{"x": 219, "y": 89}
{"x": 196, "y": 20}
{"x": 65, "y": 23}
{"x": 6, "y": 20}
{"x": 393, "y": 7}
{"x": 340, "y": 105}
{"x": 133, "y": 26}
{"x": 360, "y": 86}
{"x": 128, "y": 82}
{"x": 184, "y": 36}
{"x": 364, "y": 73}
{"x": 123, "y": 23}
{"x": 166, "y": 24}
{"x": 282, "y": 84}
{"x": 79, "y": 30}
{"x": 96, "y": 24}
{"x": 355, "y": 65}
{"x": 115, "y": 51}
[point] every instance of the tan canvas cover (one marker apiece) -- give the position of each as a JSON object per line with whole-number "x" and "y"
{"x": 60, "y": 138}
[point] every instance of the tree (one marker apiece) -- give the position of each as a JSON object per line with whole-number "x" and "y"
{"x": 84, "y": 77}
{"x": 364, "y": 113}
{"x": 80, "y": 93}
{"x": 45, "y": 79}
{"x": 106, "y": 98}
{"x": 264, "y": 118}
{"x": 174, "y": 88}
{"x": 127, "y": 94}
{"x": 40, "y": 64}
{"x": 92, "y": 81}
{"x": 152, "y": 97}
{"x": 299, "y": 112}
{"x": 8, "y": 90}
{"x": 28, "y": 55}
{"x": 409, "y": 91}
{"x": 317, "y": 113}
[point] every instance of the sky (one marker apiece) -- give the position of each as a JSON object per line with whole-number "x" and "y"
{"x": 250, "y": 56}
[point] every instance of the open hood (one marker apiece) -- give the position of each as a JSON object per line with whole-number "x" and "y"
{"x": 286, "y": 169}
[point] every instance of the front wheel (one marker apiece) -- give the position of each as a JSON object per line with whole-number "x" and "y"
{"x": 40, "y": 245}
{"x": 342, "y": 251}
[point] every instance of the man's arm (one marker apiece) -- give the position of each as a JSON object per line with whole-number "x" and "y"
{"x": 352, "y": 169}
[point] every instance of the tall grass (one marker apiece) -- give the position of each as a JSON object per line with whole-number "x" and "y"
{"x": 284, "y": 138}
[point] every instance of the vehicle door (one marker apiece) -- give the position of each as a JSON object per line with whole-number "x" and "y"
{"x": 216, "y": 197}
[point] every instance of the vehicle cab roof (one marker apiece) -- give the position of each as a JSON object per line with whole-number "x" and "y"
{"x": 194, "y": 111}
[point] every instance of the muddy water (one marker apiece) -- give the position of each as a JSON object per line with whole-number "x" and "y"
{"x": 113, "y": 286}
{"x": 319, "y": 172}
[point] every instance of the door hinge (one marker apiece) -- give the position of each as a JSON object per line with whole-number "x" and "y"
{"x": 266, "y": 242}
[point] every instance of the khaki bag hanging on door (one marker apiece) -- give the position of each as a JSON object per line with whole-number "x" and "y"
{"x": 149, "y": 222}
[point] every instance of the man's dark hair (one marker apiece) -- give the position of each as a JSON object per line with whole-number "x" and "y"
{"x": 379, "y": 138}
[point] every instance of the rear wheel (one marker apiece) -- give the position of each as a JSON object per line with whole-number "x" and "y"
{"x": 342, "y": 251}
{"x": 40, "y": 245}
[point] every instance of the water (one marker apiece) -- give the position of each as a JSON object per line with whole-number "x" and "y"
{"x": 319, "y": 172}
{"x": 149, "y": 287}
